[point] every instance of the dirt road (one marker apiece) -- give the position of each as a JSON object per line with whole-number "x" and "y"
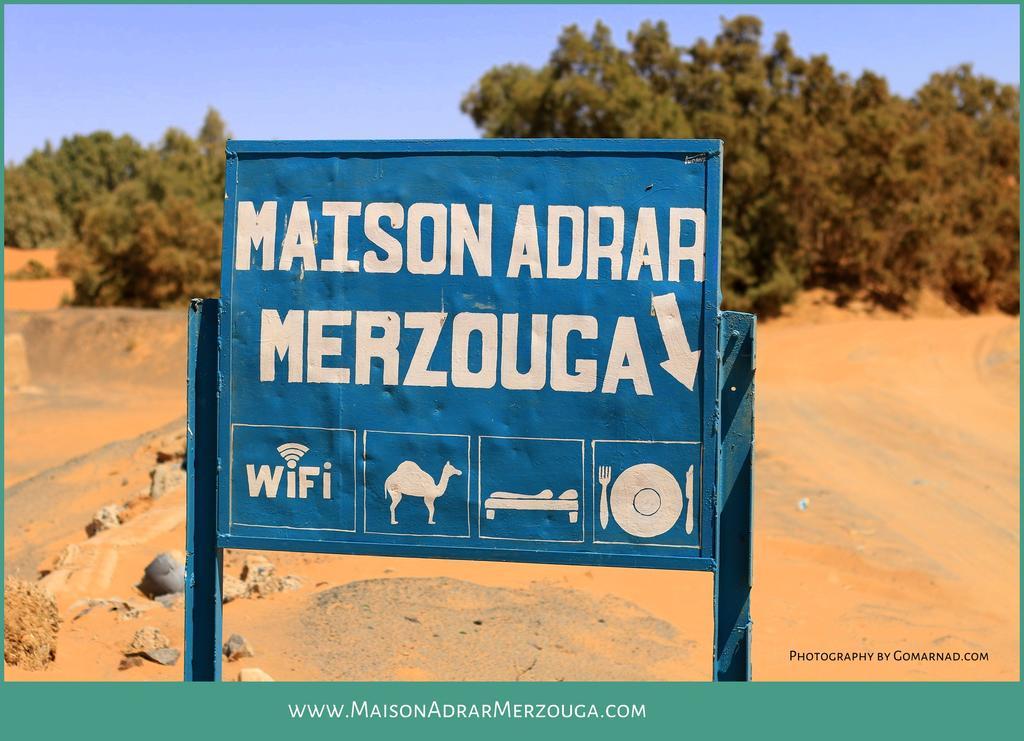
{"x": 887, "y": 515}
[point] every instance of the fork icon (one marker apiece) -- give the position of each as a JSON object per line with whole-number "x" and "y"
{"x": 604, "y": 476}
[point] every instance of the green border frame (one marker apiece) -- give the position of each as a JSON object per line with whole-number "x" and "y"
{"x": 839, "y": 710}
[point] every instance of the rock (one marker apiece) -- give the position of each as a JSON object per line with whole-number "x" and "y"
{"x": 165, "y": 477}
{"x": 252, "y": 674}
{"x": 147, "y": 639}
{"x": 105, "y": 518}
{"x": 170, "y": 601}
{"x": 124, "y": 610}
{"x": 150, "y": 643}
{"x": 237, "y": 648}
{"x": 256, "y": 568}
{"x": 272, "y": 585}
{"x": 163, "y": 575}
{"x": 232, "y": 588}
{"x": 129, "y": 662}
{"x": 260, "y": 580}
{"x": 165, "y": 456}
{"x": 31, "y": 624}
{"x": 67, "y": 557}
{"x": 165, "y": 656}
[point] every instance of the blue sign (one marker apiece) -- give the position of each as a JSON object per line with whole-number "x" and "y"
{"x": 490, "y": 350}
{"x": 498, "y": 350}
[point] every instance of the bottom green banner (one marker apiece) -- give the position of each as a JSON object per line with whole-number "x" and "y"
{"x": 489, "y": 710}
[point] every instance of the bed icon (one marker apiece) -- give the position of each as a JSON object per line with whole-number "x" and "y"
{"x": 567, "y": 501}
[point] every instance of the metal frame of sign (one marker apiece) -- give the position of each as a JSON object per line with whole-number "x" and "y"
{"x": 727, "y": 386}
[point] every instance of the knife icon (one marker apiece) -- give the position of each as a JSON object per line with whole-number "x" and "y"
{"x": 689, "y": 500}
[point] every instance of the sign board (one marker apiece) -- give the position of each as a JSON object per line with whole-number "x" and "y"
{"x": 493, "y": 350}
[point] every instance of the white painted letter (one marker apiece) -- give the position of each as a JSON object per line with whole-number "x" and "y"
{"x": 574, "y": 267}
{"x": 280, "y": 339}
{"x": 463, "y": 327}
{"x": 585, "y": 376}
{"x": 414, "y": 238}
{"x": 318, "y": 346}
{"x": 646, "y": 248}
{"x": 678, "y": 253}
{"x": 268, "y": 479}
{"x": 535, "y": 377}
{"x": 392, "y": 261}
{"x": 626, "y": 360}
{"x": 342, "y": 211}
{"x": 419, "y": 373}
{"x": 384, "y": 347}
{"x": 612, "y": 252}
{"x": 255, "y": 230}
{"x": 298, "y": 239}
{"x": 525, "y": 245}
{"x": 306, "y": 474}
{"x": 478, "y": 242}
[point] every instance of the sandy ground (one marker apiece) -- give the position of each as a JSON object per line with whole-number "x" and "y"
{"x": 93, "y": 377}
{"x": 38, "y": 294}
{"x": 887, "y": 513}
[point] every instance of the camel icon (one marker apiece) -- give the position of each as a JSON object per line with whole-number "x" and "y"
{"x": 412, "y": 481}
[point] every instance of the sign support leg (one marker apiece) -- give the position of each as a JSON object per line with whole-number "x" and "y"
{"x": 734, "y": 576}
{"x": 203, "y": 559}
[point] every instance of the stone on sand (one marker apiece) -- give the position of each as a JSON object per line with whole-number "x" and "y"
{"x": 68, "y": 556}
{"x": 31, "y": 624}
{"x": 151, "y": 643}
{"x": 106, "y": 518}
{"x": 170, "y": 601}
{"x": 147, "y": 639}
{"x": 164, "y": 455}
{"x": 237, "y": 648}
{"x": 163, "y": 575}
{"x": 232, "y": 588}
{"x": 165, "y": 656}
{"x": 252, "y": 674}
{"x": 259, "y": 578}
{"x": 256, "y": 568}
{"x": 165, "y": 477}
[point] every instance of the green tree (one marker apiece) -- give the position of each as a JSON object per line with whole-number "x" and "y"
{"x": 137, "y": 226}
{"x": 829, "y": 181}
{"x": 137, "y": 251}
{"x": 155, "y": 239}
{"x": 970, "y": 162}
{"x": 32, "y": 217}
{"x": 84, "y": 167}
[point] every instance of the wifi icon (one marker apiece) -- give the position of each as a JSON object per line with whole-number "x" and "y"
{"x": 292, "y": 452}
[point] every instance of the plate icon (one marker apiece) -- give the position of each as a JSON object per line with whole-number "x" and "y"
{"x": 646, "y": 500}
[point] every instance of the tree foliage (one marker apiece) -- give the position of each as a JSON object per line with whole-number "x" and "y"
{"x": 829, "y": 181}
{"x": 136, "y": 226}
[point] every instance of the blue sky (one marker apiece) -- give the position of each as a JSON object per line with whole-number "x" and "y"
{"x": 334, "y": 72}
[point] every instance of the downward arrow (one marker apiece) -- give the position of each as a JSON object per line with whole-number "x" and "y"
{"x": 682, "y": 361}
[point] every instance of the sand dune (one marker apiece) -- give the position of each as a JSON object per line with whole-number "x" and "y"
{"x": 902, "y": 437}
{"x": 887, "y": 511}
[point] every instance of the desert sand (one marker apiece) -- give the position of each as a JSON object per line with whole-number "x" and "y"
{"x": 887, "y": 511}
{"x": 38, "y": 293}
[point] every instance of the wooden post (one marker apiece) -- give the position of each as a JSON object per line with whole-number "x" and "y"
{"x": 202, "y": 557}
{"x": 733, "y": 542}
